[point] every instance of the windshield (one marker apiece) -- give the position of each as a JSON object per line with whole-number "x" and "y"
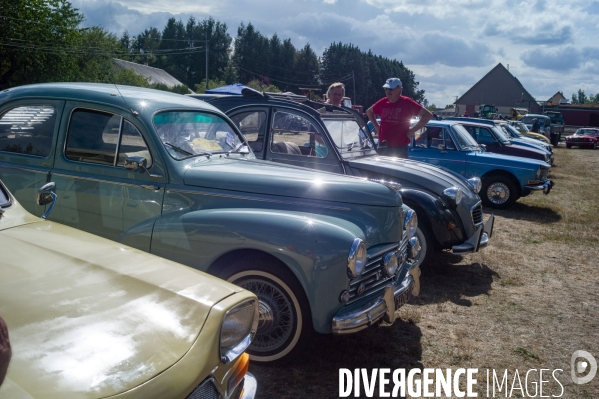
{"x": 581, "y": 132}
{"x": 464, "y": 139}
{"x": 349, "y": 138}
{"x": 501, "y": 136}
{"x": 512, "y": 131}
{"x": 187, "y": 134}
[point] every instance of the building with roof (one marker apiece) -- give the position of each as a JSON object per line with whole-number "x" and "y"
{"x": 155, "y": 75}
{"x": 500, "y": 88}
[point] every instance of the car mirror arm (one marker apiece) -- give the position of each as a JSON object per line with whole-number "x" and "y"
{"x": 46, "y": 195}
{"x": 133, "y": 163}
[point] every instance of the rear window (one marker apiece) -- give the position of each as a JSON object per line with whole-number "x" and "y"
{"x": 28, "y": 130}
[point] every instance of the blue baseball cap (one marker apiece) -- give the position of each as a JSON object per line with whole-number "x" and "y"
{"x": 392, "y": 83}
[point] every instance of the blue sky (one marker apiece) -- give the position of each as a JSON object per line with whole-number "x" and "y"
{"x": 549, "y": 45}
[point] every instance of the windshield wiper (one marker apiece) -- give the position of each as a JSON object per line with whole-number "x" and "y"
{"x": 181, "y": 150}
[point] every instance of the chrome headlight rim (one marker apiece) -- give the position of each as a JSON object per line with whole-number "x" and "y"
{"x": 233, "y": 343}
{"x": 454, "y": 195}
{"x": 356, "y": 260}
{"x": 411, "y": 223}
{"x": 475, "y": 183}
{"x": 391, "y": 263}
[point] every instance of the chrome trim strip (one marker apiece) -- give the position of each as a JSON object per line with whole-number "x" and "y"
{"x": 146, "y": 186}
{"x": 8, "y": 166}
{"x": 169, "y": 191}
{"x": 384, "y": 250}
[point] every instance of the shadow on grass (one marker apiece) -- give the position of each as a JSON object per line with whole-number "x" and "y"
{"x": 442, "y": 279}
{"x": 315, "y": 371}
{"x": 531, "y": 213}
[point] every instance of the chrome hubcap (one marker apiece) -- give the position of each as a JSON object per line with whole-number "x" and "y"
{"x": 498, "y": 193}
{"x": 276, "y": 315}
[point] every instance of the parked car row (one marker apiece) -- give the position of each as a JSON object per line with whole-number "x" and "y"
{"x": 166, "y": 174}
{"x": 285, "y": 204}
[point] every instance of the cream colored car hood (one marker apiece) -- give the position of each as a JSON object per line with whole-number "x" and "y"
{"x": 85, "y": 320}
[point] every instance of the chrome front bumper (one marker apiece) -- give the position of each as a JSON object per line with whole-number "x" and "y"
{"x": 349, "y": 321}
{"x": 250, "y": 385}
{"x": 479, "y": 239}
{"x": 546, "y": 187}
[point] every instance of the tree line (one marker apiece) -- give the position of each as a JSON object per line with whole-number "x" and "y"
{"x": 43, "y": 41}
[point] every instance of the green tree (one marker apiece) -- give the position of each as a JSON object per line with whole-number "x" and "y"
{"x": 38, "y": 39}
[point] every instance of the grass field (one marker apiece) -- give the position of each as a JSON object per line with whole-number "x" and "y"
{"x": 527, "y": 301}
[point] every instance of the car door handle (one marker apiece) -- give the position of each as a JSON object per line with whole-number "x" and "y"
{"x": 66, "y": 196}
{"x": 150, "y": 187}
{"x": 131, "y": 205}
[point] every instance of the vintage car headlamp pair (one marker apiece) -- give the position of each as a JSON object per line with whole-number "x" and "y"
{"x": 238, "y": 330}
{"x": 475, "y": 183}
{"x": 411, "y": 222}
{"x": 356, "y": 261}
{"x": 454, "y": 195}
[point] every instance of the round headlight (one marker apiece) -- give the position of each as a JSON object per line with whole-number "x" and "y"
{"x": 475, "y": 184}
{"x": 356, "y": 261}
{"x": 411, "y": 222}
{"x": 391, "y": 263}
{"x": 238, "y": 329}
{"x": 454, "y": 194}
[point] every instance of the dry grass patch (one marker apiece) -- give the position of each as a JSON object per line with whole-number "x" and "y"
{"x": 527, "y": 301}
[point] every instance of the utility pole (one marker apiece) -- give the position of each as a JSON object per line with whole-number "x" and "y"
{"x": 206, "y": 60}
{"x": 353, "y": 77}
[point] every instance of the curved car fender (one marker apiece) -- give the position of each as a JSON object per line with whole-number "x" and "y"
{"x": 314, "y": 247}
{"x": 437, "y": 213}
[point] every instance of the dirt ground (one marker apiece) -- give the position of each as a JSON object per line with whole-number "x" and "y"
{"x": 527, "y": 301}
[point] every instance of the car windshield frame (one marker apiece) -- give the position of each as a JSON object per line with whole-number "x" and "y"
{"x": 189, "y": 133}
{"x": 463, "y": 138}
{"x": 501, "y": 136}
{"x": 358, "y": 144}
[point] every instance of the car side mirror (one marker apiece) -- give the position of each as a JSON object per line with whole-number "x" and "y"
{"x": 45, "y": 196}
{"x": 133, "y": 163}
{"x": 382, "y": 144}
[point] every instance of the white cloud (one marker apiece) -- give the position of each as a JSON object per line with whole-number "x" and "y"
{"x": 550, "y": 45}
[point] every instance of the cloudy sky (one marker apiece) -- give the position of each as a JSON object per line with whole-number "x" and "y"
{"x": 549, "y": 45}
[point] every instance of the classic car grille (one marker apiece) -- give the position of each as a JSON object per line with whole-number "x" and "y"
{"x": 206, "y": 390}
{"x": 374, "y": 277}
{"x": 477, "y": 214}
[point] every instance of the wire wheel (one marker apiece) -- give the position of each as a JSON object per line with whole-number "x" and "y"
{"x": 280, "y": 312}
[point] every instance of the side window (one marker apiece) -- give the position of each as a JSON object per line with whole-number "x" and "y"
{"x": 253, "y": 126}
{"x": 95, "y": 137}
{"x": 449, "y": 144}
{"x": 28, "y": 130}
{"x": 430, "y": 138}
{"x": 294, "y": 134}
{"x": 485, "y": 137}
{"x": 132, "y": 145}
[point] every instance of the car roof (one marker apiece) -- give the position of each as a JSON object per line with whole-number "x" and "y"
{"x": 128, "y": 97}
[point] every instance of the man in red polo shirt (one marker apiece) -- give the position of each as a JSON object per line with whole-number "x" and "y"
{"x": 395, "y": 112}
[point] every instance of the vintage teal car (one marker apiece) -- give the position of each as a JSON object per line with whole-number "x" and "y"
{"x": 92, "y": 318}
{"x": 174, "y": 177}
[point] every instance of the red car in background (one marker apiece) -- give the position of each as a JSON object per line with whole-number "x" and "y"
{"x": 584, "y": 137}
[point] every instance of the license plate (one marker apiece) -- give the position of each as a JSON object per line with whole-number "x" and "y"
{"x": 402, "y": 299}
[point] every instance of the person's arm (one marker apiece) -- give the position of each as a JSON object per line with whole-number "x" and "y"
{"x": 425, "y": 116}
{"x": 372, "y": 119}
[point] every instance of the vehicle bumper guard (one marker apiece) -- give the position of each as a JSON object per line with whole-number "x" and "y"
{"x": 478, "y": 240}
{"x": 349, "y": 321}
{"x": 546, "y": 187}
